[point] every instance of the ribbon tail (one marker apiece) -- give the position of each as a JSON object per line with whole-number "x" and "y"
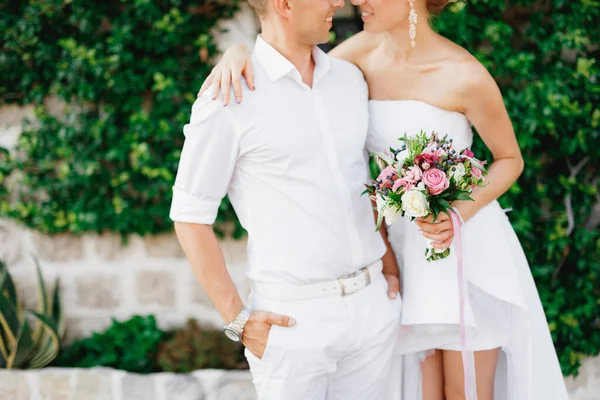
{"x": 467, "y": 357}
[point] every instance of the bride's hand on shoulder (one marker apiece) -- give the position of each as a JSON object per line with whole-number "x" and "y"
{"x": 235, "y": 62}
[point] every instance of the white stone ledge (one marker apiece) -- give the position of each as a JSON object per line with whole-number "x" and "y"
{"x": 110, "y": 384}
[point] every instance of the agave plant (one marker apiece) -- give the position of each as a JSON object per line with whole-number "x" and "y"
{"x": 28, "y": 338}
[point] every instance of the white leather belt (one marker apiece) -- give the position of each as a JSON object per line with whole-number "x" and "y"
{"x": 343, "y": 286}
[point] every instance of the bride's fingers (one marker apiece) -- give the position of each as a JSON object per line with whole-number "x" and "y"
{"x": 236, "y": 79}
{"x": 206, "y": 84}
{"x": 216, "y": 84}
{"x": 226, "y": 85}
{"x": 445, "y": 244}
{"x": 249, "y": 74}
{"x": 439, "y": 237}
{"x": 435, "y": 228}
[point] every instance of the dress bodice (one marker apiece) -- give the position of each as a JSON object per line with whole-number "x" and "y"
{"x": 391, "y": 119}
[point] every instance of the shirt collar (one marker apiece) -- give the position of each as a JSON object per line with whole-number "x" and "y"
{"x": 277, "y": 66}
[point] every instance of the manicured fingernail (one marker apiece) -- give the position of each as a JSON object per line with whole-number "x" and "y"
{"x": 224, "y": 103}
{"x": 394, "y": 295}
{"x": 292, "y": 322}
{"x": 238, "y": 100}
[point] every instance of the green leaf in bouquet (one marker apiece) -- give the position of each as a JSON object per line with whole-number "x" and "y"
{"x": 434, "y": 210}
{"x": 460, "y": 195}
{"x": 379, "y": 219}
{"x": 396, "y": 197}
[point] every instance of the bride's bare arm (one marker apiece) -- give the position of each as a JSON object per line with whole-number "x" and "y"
{"x": 355, "y": 48}
{"x": 236, "y": 62}
{"x": 485, "y": 108}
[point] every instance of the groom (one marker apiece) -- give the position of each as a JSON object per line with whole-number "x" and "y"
{"x": 291, "y": 158}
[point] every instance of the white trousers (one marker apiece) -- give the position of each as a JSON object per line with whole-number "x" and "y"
{"x": 341, "y": 347}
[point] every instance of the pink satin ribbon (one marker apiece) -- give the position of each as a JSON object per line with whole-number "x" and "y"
{"x": 468, "y": 367}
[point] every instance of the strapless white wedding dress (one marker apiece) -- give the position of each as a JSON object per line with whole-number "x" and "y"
{"x": 503, "y": 308}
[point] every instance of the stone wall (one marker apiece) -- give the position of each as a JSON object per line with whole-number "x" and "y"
{"x": 101, "y": 277}
{"x": 108, "y": 384}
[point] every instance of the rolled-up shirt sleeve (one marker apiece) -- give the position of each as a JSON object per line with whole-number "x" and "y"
{"x": 207, "y": 163}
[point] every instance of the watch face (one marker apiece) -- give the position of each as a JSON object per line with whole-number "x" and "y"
{"x": 231, "y": 334}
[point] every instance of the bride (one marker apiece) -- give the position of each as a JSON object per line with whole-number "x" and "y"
{"x": 419, "y": 80}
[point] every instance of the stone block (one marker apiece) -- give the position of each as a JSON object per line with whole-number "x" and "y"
{"x": 78, "y": 328}
{"x": 237, "y": 386}
{"x": 11, "y": 239}
{"x": 155, "y": 287}
{"x": 27, "y": 287}
{"x": 183, "y": 387}
{"x": 98, "y": 290}
{"x": 138, "y": 387}
{"x": 92, "y": 385}
{"x": 58, "y": 247}
{"x": 13, "y": 385}
{"x": 164, "y": 245}
{"x": 55, "y": 385}
{"x": 234, "y": 251}
{"x": 237, "y": 273}
{"x": 108, "y": 246}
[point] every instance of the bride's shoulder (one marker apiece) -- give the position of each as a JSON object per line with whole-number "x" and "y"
{"x": 467, "y": 72}
{"x": 356, "y": 48}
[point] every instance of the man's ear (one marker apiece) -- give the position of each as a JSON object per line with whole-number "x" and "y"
{"x": 282, "y": 8}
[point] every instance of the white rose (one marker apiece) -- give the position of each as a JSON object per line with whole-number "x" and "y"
{"x": 402, "y": 156}
{"x": 391, "y": 213}
{"x": 421, "y": 186}
{"x": 457, "y": 172}
{"x": 414, "y": 203}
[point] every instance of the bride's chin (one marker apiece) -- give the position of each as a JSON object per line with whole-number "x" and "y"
{"x": 373, "y": 27}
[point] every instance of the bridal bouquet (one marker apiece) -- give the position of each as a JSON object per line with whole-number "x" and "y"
{"x": 423, "y": 178}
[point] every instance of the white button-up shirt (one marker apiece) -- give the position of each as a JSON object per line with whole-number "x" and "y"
{"x": 293, "y": 162}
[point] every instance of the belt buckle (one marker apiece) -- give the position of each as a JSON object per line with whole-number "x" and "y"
{"x": 354, "y": 274}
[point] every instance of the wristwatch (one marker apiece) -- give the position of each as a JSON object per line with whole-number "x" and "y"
{"x": 235, "y": 329}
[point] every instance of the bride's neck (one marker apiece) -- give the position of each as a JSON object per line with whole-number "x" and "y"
{"x": 398, "y": 42}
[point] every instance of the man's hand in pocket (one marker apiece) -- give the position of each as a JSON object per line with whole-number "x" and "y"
{"x": 256, "y": 331}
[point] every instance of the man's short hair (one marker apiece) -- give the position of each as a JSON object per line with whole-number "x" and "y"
{"x": 259, "y": 6}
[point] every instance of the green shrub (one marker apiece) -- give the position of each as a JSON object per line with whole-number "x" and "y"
{"x": 128, "y": 345}
{"x": 139, "y": 345}
{"x": 29, "y": 339}
{"x": 192, "y": 348}
{"x": 129, "y": 71}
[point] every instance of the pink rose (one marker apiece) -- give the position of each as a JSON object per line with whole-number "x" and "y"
{"x": 468, "y": 153}
{"x": 476, "y": 172}
{"x": 387, "y": 177}
{"x": 387, "y": 171}
{"x": 435, "y": 149}
{"x": 404, "y": 183}
{"x": 413, "y": 174}
{"x": 436, "y": 181}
